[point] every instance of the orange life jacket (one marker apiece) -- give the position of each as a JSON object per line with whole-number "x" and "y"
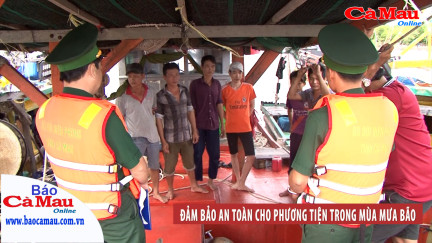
{"x": 351, "y": 163}
{"x": 72, "y": 129}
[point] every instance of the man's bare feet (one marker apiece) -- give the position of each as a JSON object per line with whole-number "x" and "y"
{"x": 285, "y": 193}
{"x": 161, "y": 198}
{"x": 170, "y": 194}
{"x": 245, "y": 188}
{"x": 198, "y": 189}
{"x": 235, "y": 186}
{"x": 211, "y": 185}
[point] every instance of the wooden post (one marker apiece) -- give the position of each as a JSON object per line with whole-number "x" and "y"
{"x": 261, "y": 66}
{"x": 119, "y": 52}
{"x": 57, "y": 85}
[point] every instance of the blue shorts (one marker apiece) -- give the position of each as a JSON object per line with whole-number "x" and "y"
{"x": 151, "y": 150}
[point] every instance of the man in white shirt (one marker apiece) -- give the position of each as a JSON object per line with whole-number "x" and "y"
{"x": 137, "y": 105}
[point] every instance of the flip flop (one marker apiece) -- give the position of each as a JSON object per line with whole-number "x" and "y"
{"x": 229, "y": 165}
{"x": 221, "y": 164}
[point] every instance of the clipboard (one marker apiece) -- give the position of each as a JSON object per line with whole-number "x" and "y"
{"x": 144, "y": 208}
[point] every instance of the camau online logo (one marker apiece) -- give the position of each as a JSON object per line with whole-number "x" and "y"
{"x": 405, "y": 17}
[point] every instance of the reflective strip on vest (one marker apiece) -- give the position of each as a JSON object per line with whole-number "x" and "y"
{"x": 346, "y": 112}
{"x": 89, "y": 115}
{"x": 95, "y": 188}
{"x": 313, "y": 184}
{"x": 84, "y": 167}
{"x": 42, "y": 110}
{"x": 67, "y": 136}
{"x": 351, "y": 162}
{"x": 352, "y": 168}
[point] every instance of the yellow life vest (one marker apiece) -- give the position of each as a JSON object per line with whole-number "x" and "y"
{"x": 351, "y": 163}
{"x": 72, "y": 129}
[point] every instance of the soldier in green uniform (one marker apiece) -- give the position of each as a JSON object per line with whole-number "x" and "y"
{"x": 332, "y": 149}
{"x": 79, "y": 62}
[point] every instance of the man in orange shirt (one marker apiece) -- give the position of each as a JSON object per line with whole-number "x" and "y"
{"x": 239, "y": 101}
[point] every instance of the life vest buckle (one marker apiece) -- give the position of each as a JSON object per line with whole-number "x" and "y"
{"x": 315, "y": 181}
{"x": 112, "y": 169}
{"x": 320, "y": 170}
{"x": 384, "y": 198}
{"x": 313, "y": 184}
{"x": 115, "y": 187}
{"x": 309, "y": 198}
{"x": 113, "y": 209}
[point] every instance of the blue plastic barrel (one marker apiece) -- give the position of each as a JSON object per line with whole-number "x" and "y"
{"x": 284, "y": 123}
{"x": 29, "y": 70}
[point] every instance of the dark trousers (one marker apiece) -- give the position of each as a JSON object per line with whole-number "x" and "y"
{"x": 208, "y": 139}
{"x": 382, "y": 232}
{"x": 295, "y": 140}
{"x": 333, "y": 233}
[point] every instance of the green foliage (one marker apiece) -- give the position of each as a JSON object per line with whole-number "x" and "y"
{"x": 389, "y": 33}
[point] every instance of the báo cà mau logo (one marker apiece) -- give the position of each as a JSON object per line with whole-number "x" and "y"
{"x": 40, "y": 201}
{"x": 43, "y": 197}
{"x": 406, "y": 17}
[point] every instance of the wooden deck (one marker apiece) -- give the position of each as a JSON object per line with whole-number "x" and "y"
{"x": 267, "y": 185}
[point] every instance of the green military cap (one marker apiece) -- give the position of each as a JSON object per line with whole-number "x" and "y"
{"x": 346, "y": 49}
{"x": 78, "y": 48}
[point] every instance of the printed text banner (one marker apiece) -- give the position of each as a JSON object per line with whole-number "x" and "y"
{"x": 297, "y": 213}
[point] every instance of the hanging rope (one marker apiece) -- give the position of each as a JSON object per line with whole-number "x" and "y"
{"x": 422, "y": 17}
{"x": 259, "y": 140}
{"x": 73, "y": 20}
{"x": 205, "y": 37}
{"x": 8, "y": 46}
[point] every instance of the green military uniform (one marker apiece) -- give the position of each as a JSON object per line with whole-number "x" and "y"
{"x": 127, "y": 226}
{"x": 313, "y": 137}
{"x": 315, "y": 132}
{"x": 78, "y": 48}
{"x": 346, "y": 50}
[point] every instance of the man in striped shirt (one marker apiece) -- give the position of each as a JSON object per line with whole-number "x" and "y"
{"x": 175, "y": 121}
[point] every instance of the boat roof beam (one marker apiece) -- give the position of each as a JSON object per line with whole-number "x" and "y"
{"x": 285, "y": 11}
{"x": 225, "y": 31}
{"x": 71, "y": 8}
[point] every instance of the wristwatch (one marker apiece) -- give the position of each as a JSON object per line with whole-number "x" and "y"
{"x": 366, "y": 82}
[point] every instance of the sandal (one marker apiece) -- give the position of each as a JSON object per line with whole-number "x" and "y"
{"x": 221, "y": 164}
{"x": 229, "y": 165}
